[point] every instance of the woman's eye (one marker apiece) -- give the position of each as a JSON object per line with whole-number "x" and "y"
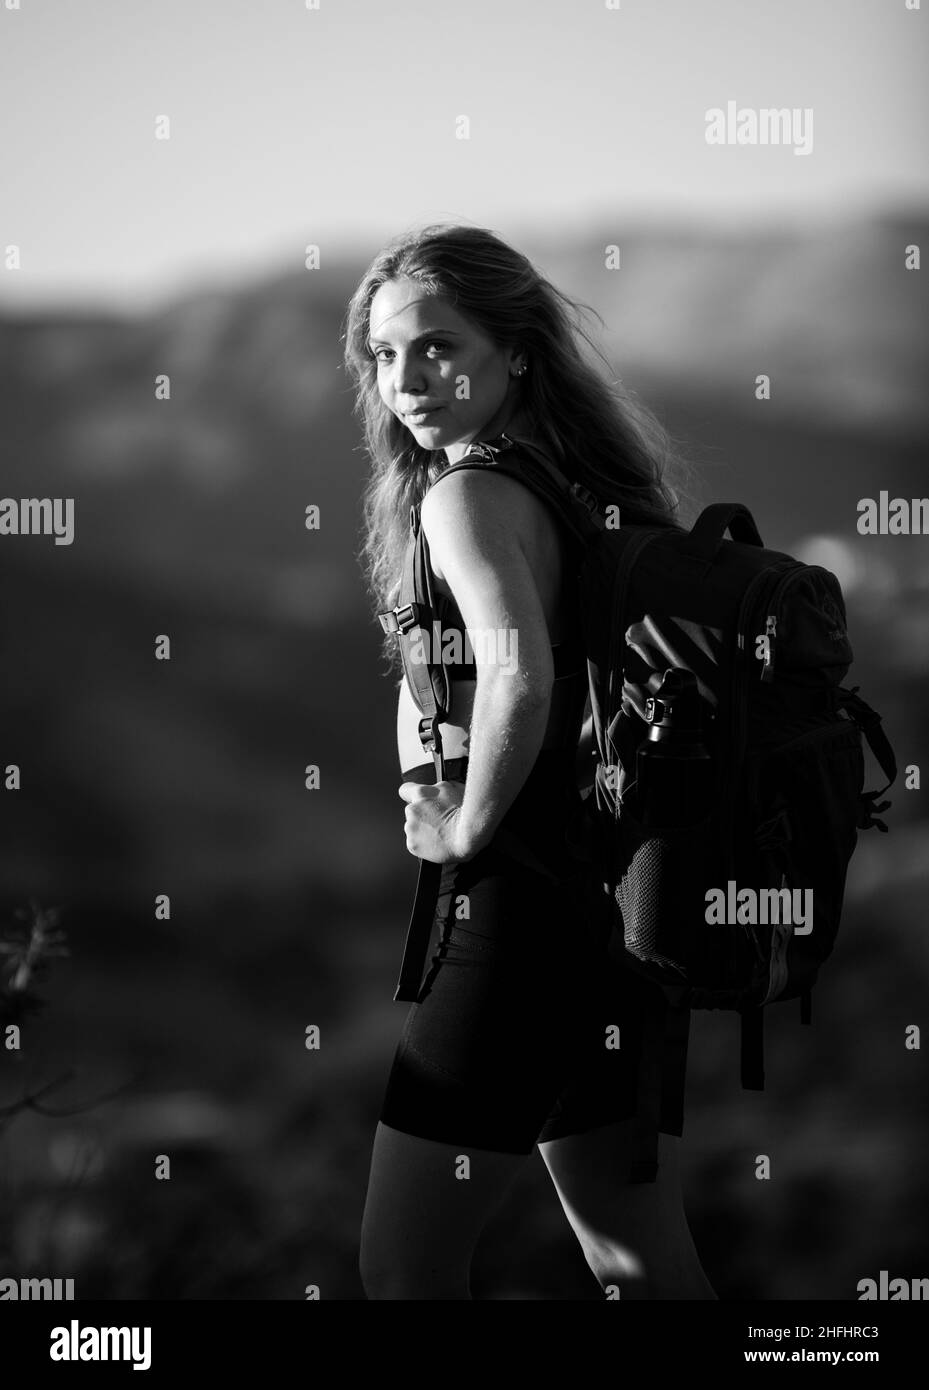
{"x": 433, "y": 342}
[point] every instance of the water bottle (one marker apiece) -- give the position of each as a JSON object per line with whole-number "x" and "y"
{"x": 674, "y": 769}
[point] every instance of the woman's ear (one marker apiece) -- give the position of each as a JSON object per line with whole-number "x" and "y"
{"x": 518, "y": 363}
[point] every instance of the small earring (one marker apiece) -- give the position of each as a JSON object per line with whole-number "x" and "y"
{"x": 520, "y": 370}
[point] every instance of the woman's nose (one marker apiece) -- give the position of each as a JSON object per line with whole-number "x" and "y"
{"x": 410, "y": 377}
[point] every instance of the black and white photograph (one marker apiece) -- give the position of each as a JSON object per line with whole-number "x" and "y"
{"x": 464, "y": 631}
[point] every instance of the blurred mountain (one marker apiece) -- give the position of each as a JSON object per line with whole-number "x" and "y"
{"x": 142, "y": 777}
{"x": 189, "y": 521}
{"x": 828, "y": 310}
{"x": 209, "y": 488}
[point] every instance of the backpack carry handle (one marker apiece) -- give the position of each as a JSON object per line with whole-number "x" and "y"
{"x": 711, "y": 525}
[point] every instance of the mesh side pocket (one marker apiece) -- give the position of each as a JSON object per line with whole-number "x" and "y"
{"x": 659, "y": 896}
{"x": 639, "y": 897}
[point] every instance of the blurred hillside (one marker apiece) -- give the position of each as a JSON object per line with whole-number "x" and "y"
{"x": 189, "y": 521}
{"x": 142, "y": 777}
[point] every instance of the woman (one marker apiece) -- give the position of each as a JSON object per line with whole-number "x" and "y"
{"x": 453, "y": 337}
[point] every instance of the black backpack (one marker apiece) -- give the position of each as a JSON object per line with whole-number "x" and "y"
{"x": 730, "y": 767}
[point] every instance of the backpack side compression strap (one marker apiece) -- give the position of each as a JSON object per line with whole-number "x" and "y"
{"x": 660, "y": 1091}
{"x": 752, "y": 1047}
{"x": 869, "y": 722}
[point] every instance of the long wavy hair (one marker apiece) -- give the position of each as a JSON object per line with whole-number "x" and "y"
{"x": 594, "y": 429}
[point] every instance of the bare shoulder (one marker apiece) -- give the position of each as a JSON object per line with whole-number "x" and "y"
{"x": 481, "y": 509}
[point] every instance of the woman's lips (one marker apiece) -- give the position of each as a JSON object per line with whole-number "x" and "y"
{"x": 418, "y": 416}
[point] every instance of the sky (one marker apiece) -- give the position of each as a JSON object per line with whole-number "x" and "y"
{"x": 334, "y": 123}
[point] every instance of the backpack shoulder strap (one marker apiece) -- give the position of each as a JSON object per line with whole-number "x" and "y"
{"x": 416, "y": 610}
{"x": 527, "y": 462}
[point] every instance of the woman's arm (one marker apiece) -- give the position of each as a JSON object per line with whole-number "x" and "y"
{"x": 477, "y": 527}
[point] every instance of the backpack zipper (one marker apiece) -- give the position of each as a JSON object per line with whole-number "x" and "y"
{"x": 776, "y": 603}
{"x": 739, "y": 691}
{"x": 779, "y": 574}
{"x": 738, "y": 704}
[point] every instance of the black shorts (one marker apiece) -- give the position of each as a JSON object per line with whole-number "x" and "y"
{"x": 507, "y": 1043}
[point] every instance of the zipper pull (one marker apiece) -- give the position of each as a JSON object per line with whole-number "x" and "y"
{"x": 770, "y": 632}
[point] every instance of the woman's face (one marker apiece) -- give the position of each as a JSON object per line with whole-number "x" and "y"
{"x": 431, "y": 359}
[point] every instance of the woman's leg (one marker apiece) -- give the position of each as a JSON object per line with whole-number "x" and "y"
{"x": 480, "y": 1061}
{"x": 424, "y": 1212}
{"x": 634, "y": 1235}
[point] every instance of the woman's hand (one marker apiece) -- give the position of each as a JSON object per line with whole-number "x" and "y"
{"x": 433, "y": 821}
